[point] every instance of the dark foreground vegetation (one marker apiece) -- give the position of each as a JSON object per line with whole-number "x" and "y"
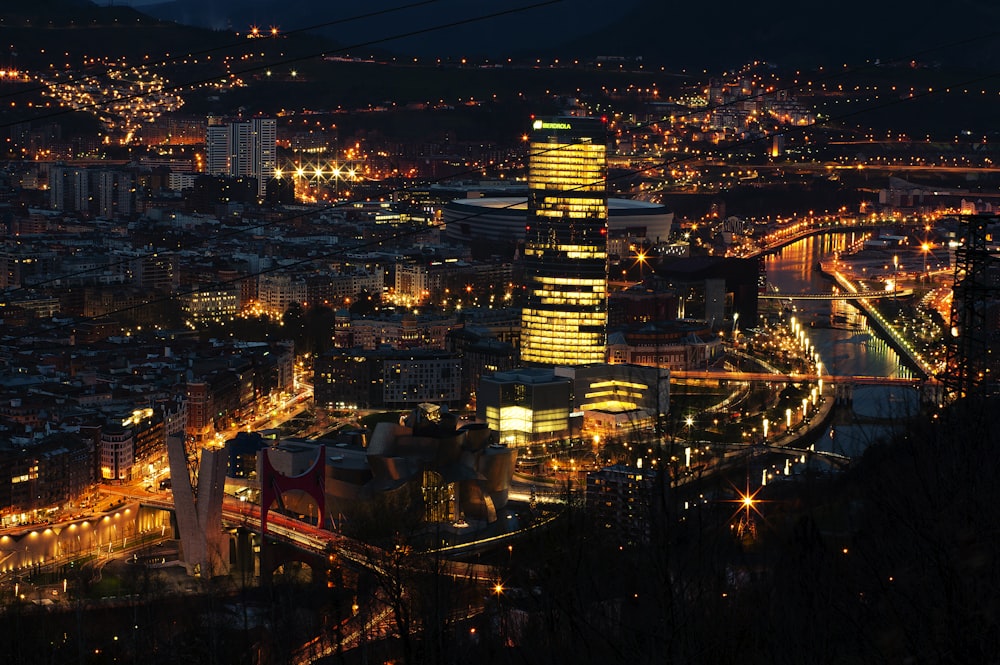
{"x": 893, "y": 561}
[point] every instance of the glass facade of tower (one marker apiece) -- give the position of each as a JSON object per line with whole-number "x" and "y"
{"x": 565, "y": 258}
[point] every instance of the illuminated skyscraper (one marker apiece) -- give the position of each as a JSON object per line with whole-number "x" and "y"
{"x": 564, "y": 318}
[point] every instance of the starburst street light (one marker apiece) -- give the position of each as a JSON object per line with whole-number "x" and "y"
{"x": 641, "y": 258}
{"x": 743, "y": 518}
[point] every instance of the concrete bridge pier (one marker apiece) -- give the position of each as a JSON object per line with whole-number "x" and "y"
{"x": 244, "y": 552}
{"x": 843, "y": 393}
{"x": 932, "y": 393}
{"x": 270, "y": 556}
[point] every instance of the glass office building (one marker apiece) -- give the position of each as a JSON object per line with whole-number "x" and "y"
{"x": 565, "y": 258}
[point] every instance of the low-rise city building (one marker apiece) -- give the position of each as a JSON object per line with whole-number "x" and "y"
{"x": 622, "y": 501}
{"x": 387, "y": 378}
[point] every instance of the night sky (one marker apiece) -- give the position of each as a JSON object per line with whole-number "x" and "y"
{"x": 728, "y": 33}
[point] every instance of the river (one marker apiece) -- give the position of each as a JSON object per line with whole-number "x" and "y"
{"x": 847, "y": 345}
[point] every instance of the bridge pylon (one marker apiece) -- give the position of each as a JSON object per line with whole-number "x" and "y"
{"x": 199, "y": 514}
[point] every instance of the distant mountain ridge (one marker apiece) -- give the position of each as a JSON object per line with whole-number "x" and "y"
{"x": 679, "y": 34}
{"x": 35, "y": 31}
{"x": 848, "y": 31}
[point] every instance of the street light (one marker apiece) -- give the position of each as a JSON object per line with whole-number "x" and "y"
{"x": 640, "y": 258}
{"x": 788, "y": 419}
{"x": 805, "y": 407}
{"x": 895, "y": 274}
{"x": 498, "y": 589}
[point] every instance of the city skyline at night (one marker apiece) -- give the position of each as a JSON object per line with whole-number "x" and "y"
{"x": 541, "y": 331}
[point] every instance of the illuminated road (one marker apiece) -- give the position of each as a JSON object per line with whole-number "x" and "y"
{"x": 723, "y": 375}
{"x": 354, "y": 633}
{"x": 316, "y": 540}
{"x": 896, "y": 293}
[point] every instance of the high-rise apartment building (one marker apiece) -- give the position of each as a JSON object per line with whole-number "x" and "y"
{"x": 565, "y": 258}
{"x": 242, "y": 148}
{"x": 108, "y": 193}
{"x": 69, "y": 188}
{"x": 116, "y": 194}
{"x": 217, "y": 146}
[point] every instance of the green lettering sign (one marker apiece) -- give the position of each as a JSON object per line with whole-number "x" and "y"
{"x": 540, "y": 124}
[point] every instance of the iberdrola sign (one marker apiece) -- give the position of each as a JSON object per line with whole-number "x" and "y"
{"x": 541, "y": 124}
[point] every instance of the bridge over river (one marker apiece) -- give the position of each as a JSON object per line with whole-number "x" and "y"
{"x": 725, "y": 375}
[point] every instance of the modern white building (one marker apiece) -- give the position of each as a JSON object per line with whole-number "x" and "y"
{"x": 503, "y": 219}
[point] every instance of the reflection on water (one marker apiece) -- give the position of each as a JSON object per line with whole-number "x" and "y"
{"x": 846, "y": 344}
{"x": 892, "y": 403}
{"x": 852, "y": 440}
{"x": 840, "y": 332}
{"x": 889, "y": 404}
